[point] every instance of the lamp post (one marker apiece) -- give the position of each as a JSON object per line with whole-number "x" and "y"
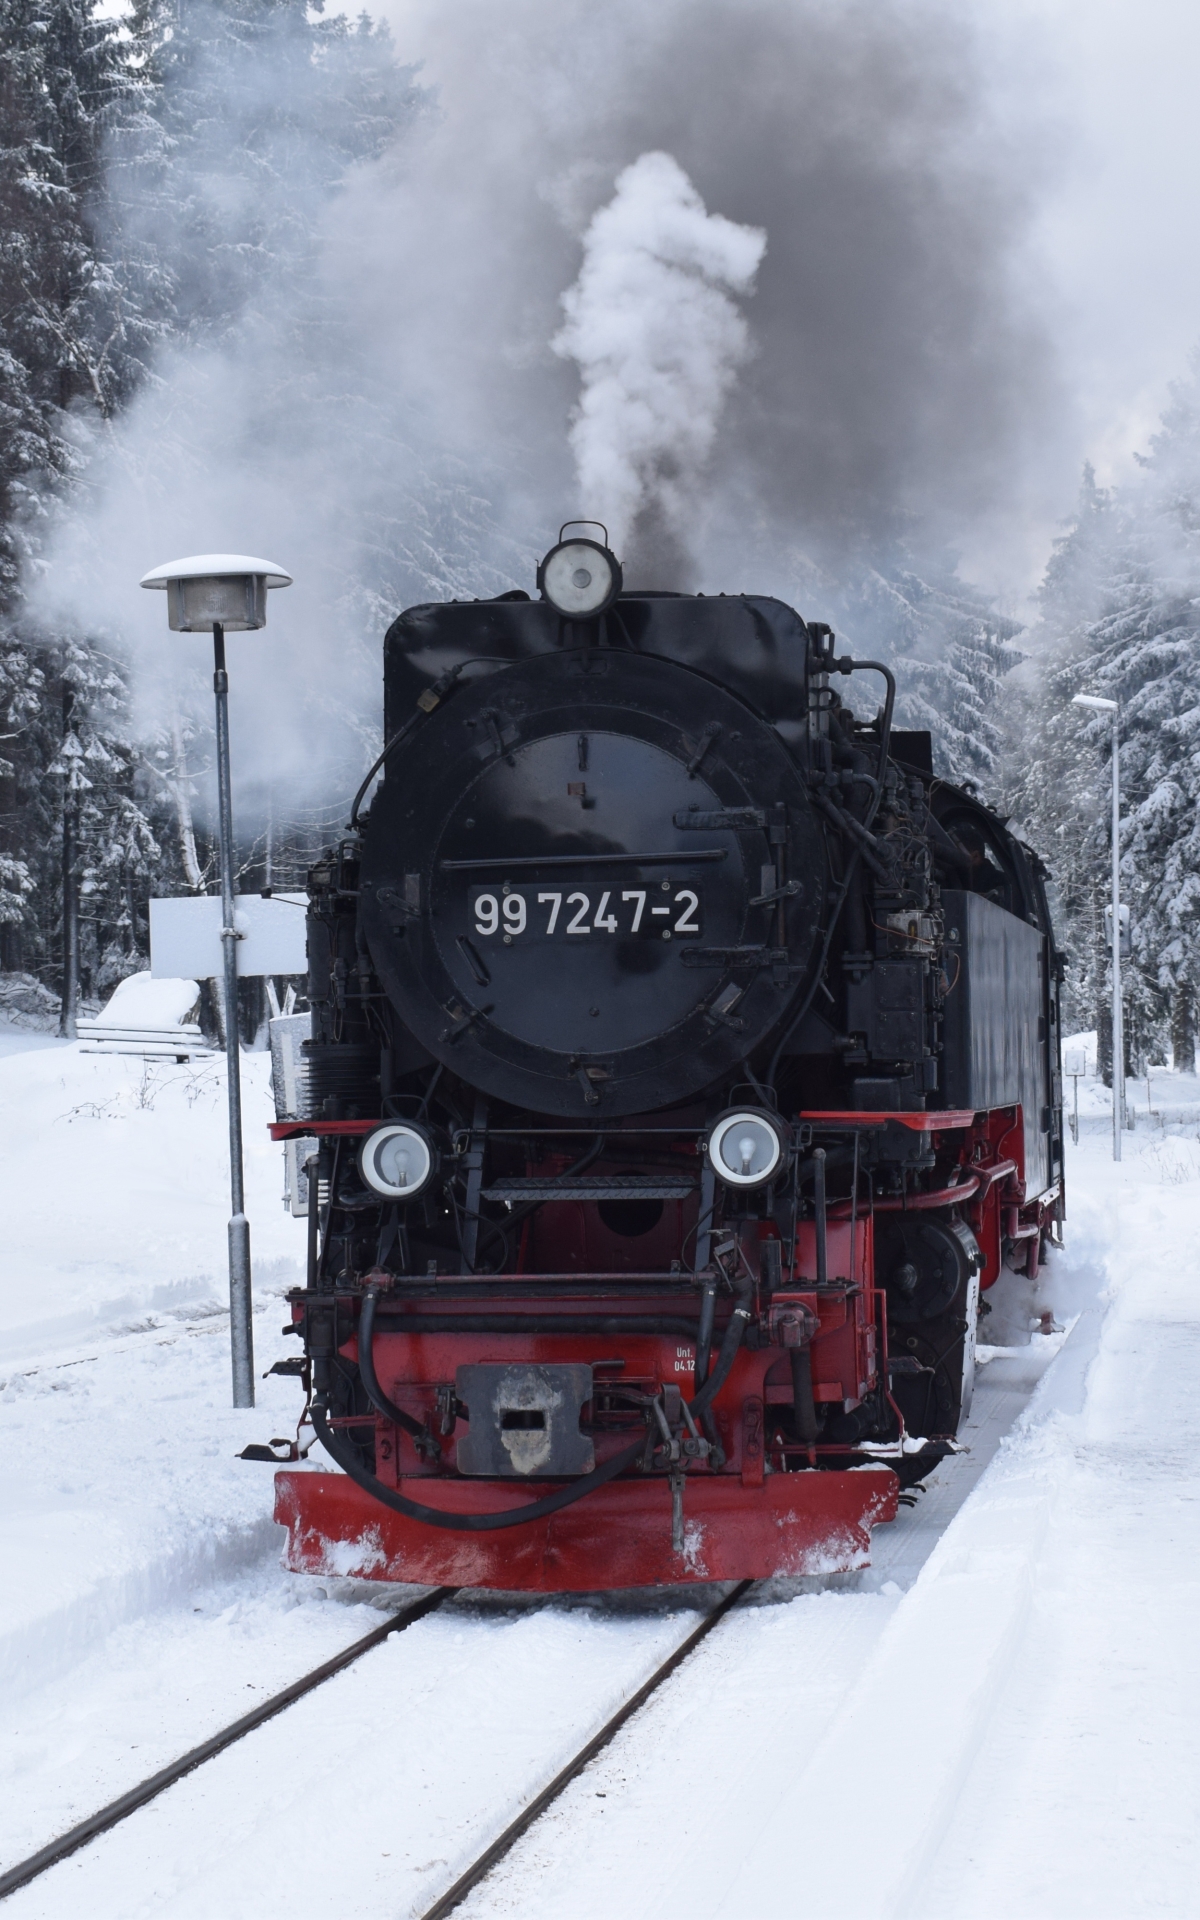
{"x": 1118, "y": 1021}
{"x": 226, "y": 592}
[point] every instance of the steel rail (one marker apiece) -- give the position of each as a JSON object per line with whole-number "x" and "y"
{"x": 505, "y": 1841}
{"x": 120, "y": 1809}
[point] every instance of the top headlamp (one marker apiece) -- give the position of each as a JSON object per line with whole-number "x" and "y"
{"x": 746, "y": 1148}
{"x": 580, "y": 578}
{"x": 397, "y": 1161}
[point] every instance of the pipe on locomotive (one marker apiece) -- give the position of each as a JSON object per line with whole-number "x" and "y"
{"x": 345, "y": 1457}
{"x": 844, "y": 665}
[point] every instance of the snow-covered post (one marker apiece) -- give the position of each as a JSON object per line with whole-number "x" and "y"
{"x": 1118, "y": 1018}
{"x": 226, "y": 593}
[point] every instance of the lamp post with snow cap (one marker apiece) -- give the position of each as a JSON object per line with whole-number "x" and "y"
{"x": 226, "y": 592}
{"x": 1118, "y": 1021}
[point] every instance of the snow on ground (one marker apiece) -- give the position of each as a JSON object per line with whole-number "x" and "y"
{"x": 998, "y": 1718}
{"x": 1021, "y": 1735}
{"x": 116, "y": 1176}
{"x": 120, "y": 1491}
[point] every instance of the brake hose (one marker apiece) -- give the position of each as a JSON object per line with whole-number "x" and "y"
{"x": 466, "y": 1522}
{"x": 345, "y": 1457}
{"x": 370, "y": 1379}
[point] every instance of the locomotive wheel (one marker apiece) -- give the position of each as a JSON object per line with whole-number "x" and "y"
{"x": 557, "y": 883}
{"x": 928, "y": 1265}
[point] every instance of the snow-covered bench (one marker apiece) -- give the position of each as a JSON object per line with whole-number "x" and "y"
{"x": 153, "y": 1018}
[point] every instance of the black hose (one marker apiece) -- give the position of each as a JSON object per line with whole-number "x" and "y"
{"x": 369, "y": 1377}
{"x": 401, "y": 734}
{"x": 468, "y": 1522}
{"x": 432, "y": 697}
{"x": 345, "y": 1457}
{"x": 854, "y": 830}
{"x": 885, "y": 728}
{"x": 734, "y": 1335}
{"x": 427, "y": 701}
{"x": 820, "y": 1215}
{"x": 704, "y": 1335}
{"x": 538, "y": 1510}
{"x": 818, "y": 977}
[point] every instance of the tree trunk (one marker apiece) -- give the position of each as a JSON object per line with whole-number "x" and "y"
{"x": 1183, "y": 1028}
{"x": 1134, "y": 1051}
{"x": 183, "y": 812}
{"x": 1104, "y": 1042}
{"x": 70, "y": 888}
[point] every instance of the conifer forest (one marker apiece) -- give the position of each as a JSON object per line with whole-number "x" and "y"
{"x": 182, "y": 190}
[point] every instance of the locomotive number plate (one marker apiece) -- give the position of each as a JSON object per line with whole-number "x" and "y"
{"x": 653, "y": 912}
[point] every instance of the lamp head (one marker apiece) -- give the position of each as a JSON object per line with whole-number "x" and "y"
{"x": 580, "y": 578}
{"x": 1094, "y": 700}
{"x": 216, "y": 589}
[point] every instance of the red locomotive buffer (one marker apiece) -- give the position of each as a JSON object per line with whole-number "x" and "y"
{"x": 761, "y": 1513}
{"x": 681, "y": 1067}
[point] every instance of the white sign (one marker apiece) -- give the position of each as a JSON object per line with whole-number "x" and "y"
{"x": 185, "y": 935}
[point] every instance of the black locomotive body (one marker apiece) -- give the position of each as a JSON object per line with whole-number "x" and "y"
{"x": 684, "y": 1061}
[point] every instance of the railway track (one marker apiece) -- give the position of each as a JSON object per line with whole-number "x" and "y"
{"x": 149, "y": 1789}
{"x": 438, "y": 1804}
{"x": 109, "y": 1816}
{"x": 898, "y": 1554}
{"x": 505, "y": 1841}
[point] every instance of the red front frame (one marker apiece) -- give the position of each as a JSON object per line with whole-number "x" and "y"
{"x": 770, "y": 1511}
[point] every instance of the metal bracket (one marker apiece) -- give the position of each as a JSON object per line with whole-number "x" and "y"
{"x": 473, "y": 1161}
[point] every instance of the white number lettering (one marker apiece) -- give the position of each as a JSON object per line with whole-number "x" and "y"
{"x": 487, "y": 913}
{"x": 687, "y": 924}
{"x": 581, "y": 912}
{"x": 605, "y": 923}
{"x": 660, "y": 909}
{"x": 514, "y": 913}
{"x": 638, "y": 910}
{"x": 555, "y": 900}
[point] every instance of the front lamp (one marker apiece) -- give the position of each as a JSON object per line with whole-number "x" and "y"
{"x": 746, "y": 1148}
{"x": 397, "y": 1161}
{"x": 580, "y": 578}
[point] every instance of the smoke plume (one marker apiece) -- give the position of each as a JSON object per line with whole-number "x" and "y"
{"x": 394, "y": 419}
{"x": 658, "y": 342}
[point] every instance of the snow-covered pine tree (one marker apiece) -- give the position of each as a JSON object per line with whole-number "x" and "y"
{"x": 73, "y": 338}
{"x": 951, "y": 651}
{"x": 1121, "y": 618}
{"x": 68, "y": 328}
{"x": 259, "y": 109}
{"x": 266, "y": 111}
{"x": 20, "y": 696}
{"x": 1053, "y": 776}
{"x": 167, "y": 184}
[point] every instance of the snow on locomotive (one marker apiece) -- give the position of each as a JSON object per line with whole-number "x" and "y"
{"x": 684, "y": 1061}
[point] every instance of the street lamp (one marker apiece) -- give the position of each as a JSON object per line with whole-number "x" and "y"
{"x": 227, "y": 592}
{"x": 1111, "y": 706}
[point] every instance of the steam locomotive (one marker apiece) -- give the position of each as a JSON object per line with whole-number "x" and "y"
{"x": 683, "y": 1064}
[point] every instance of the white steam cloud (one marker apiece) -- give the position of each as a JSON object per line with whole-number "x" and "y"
{"x": 658, "y": 342}
{"x": 383, "y": 413}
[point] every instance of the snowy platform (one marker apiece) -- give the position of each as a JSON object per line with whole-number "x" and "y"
{"x": 1012, "y": 1688}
